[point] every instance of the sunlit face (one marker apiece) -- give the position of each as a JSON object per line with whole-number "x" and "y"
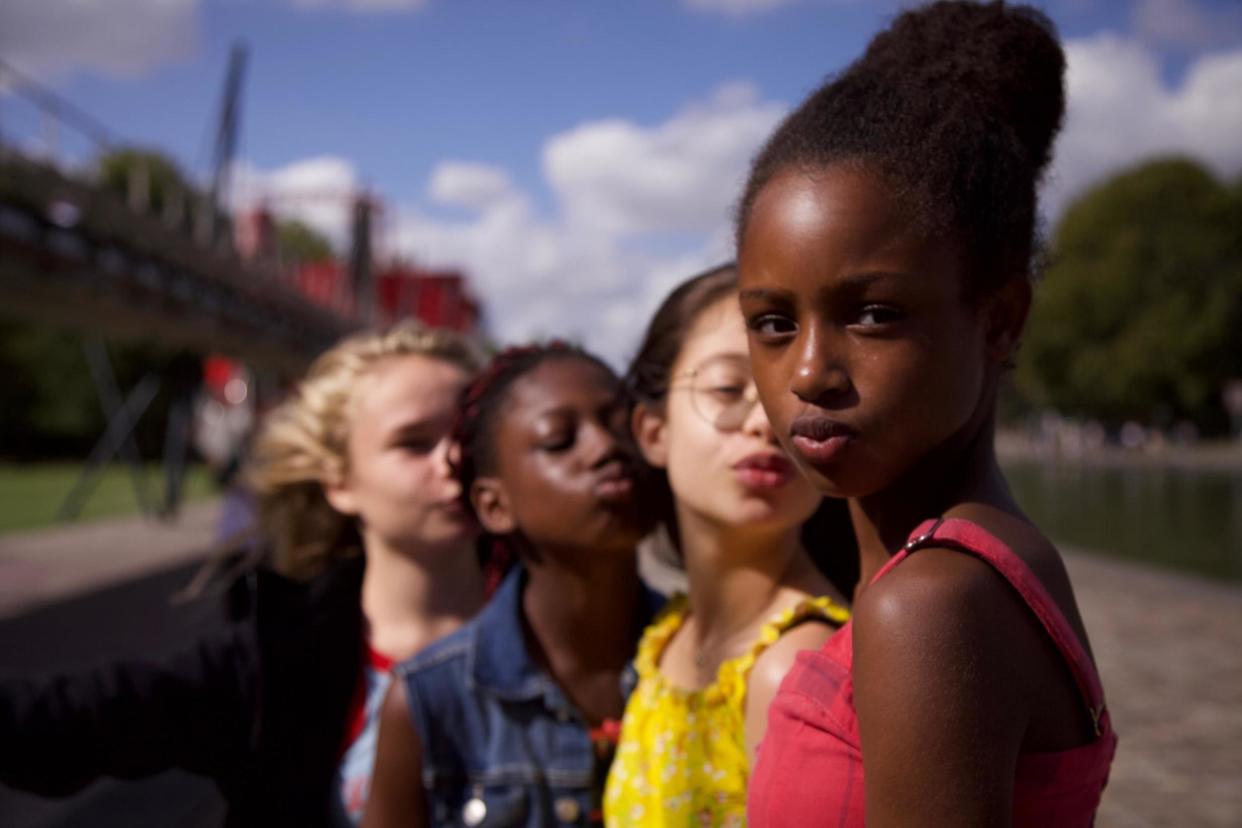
{"x": 866, "y": 353}
{"x": 727, "y": 469}
{"x": 398, "y": 480}
{"x": 564, "y": 467}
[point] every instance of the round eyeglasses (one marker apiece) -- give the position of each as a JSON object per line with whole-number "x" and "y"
{"x": 722, "y": 392}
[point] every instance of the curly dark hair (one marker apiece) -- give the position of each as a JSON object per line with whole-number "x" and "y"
{"x": 955, "y": 106}
{"x": 477, "y": 423}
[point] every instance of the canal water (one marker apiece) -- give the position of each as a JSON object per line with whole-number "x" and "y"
{"x": 1189, "y": 519}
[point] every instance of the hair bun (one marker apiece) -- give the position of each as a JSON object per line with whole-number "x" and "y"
{"x": 1002, "y": 63}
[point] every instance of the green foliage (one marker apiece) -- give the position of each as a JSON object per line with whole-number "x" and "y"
{"x": 166, "y": 185}
{"x": 1140, "y": 314}
{"x": 49, "y": 403}
{"x": 50, "y": 407}
{"x": 301, "y": 244}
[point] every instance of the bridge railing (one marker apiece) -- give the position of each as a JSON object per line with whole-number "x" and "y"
{"x": 37, "y": 123}
{"x": 75, "y": 253}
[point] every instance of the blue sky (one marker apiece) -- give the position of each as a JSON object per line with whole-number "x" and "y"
{"x": 576, "y": 157}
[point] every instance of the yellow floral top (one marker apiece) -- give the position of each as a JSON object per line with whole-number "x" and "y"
{"x": 681, "y": 760}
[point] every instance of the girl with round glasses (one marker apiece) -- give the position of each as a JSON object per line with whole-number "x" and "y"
{"x": 735, "y": 507}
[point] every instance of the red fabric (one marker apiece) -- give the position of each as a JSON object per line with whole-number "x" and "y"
{"x": 609, "y": 731}
{"x": 357, "y": 718}
{"x": 809, "y": 769}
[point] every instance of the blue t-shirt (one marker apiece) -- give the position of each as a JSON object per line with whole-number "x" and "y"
{"x": 353, "y": 776}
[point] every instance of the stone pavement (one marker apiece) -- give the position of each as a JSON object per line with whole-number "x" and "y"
{"x": 46, "y": 565}
{"x": 1169, "y": 649}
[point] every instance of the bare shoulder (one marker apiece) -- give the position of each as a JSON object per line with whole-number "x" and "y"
{"x": 937, "y": 608}
{"x": 395, "y": 707}
{"x": 942, "y": 646}
{"x": 393, "y": 801}
{"x": 1035, "y": 550}
{"x": 769, "y": 671}
{"x": 1019, "y": 534}
{"x": 775, "y": 661}
{"x": 939, "y": 644}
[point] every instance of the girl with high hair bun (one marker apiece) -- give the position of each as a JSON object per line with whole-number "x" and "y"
{"x": 740, "y": 514}
{"x": 886, "y": 240}
{"x": 511, "y": 720}
{"x": 371, "y": 559}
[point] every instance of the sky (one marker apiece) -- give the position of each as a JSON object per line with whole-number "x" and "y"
{"x": 576, "y": 158}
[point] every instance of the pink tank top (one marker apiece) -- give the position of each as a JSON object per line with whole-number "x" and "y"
{"x": 813, "y": 728}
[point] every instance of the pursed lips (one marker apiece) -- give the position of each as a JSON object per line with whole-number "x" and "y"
{"x": 614, "y": 482}
{"x": 764, "y": 470}
{"x": 819, "y": 439}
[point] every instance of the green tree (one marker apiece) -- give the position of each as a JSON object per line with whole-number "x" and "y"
{"x": 150, "y": 176}
{"x": 301, "y": 244}
{"x": 49, "y": 407}
{"x": 1140, "y": 313}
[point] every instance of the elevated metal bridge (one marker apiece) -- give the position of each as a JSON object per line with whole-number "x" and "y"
{"x": 74, "y": 253}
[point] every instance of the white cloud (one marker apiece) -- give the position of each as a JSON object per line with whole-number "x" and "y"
{"x": 584, "y": 270}
{"x": 736, "y": 8}
{"x": 469, "y": 185}
{"x": 362, "y": 6}
{"x": 1120, "y": 111}
{"x": 1186, "y": 23}
{"x": 123, "y": 38}
{"x": 620, "y": 178}
{"x": 585, "y": 267}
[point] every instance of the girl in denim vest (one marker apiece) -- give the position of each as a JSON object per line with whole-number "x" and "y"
{"x": 509, "y": 720}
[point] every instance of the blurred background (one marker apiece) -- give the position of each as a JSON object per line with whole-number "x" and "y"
{"x": 197, "y": 196}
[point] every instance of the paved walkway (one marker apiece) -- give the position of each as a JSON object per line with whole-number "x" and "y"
{"x": 1169, "y": 648}
{"x": 46, "y": 565}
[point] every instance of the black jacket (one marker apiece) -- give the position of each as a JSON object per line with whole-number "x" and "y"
{"x": 260, "y": 706}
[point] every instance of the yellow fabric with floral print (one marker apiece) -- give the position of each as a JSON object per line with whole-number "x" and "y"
{"x": 681, "y": 760}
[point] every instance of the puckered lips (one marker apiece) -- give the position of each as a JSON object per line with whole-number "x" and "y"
{"x": 764, "y": 470}
{"x": 452, "y": 507}
{"x": 614, "y": 482}
{"x": 819, "y": 439}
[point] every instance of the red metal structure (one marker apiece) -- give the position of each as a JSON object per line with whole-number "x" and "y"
{"x": 440, "y": 298}
{"x": 390, "y": 291}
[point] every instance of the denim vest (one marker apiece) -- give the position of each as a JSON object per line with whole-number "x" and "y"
{"x": 502, "y": 745}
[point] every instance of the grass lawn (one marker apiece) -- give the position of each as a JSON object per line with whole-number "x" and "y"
{"x": 31, "y": 494}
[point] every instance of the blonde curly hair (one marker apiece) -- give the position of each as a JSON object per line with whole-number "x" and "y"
{"x": 304, "y": 443}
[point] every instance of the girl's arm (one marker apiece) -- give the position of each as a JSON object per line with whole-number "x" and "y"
{"x": 397, "y": 796}
{"x": 769, "y": 671}
{"x": 939, "y": 691}
{"x": 132, "y": 719}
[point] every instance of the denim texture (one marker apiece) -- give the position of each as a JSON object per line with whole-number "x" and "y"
{"x": 496, "y": 728}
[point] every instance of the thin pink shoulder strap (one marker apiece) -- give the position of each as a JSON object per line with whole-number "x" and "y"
{"x": 969, "y": 537}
